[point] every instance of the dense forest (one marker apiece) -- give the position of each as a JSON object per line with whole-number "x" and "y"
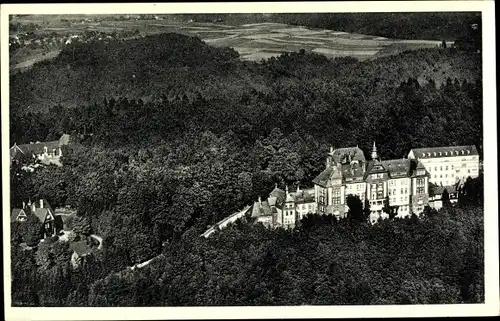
{"x": 170, "y": 136}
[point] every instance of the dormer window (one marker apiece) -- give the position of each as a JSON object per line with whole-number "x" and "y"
{"x": 45, "y": 149}
{"x": 423, "y": 154}
{"x": 439, "y": 153}
{"x": 445, "y": 153}
{"x": 428, "y": 154}
{"x": 463, "y": 152}
{"x": 434, "y": 153}
{"x": 468, "y": 152}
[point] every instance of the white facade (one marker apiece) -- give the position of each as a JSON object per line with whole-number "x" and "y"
{"x": 376, "y": 193}
{"x": 304, "y": 209}
{"x": 358, "y": 188}
{"x": 289, "y": 215}
{"x": 399, "y": 192}
{"x": 448, "y": 165}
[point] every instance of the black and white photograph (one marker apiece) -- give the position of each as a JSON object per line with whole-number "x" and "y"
{"x": 249, "y": 156}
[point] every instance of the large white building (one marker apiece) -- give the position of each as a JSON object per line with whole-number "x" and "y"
{"x": 448, "y": 165}
{"x": 404, "y": 183}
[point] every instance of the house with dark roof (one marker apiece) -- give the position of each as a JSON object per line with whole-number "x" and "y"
{"x": 44, "y": 152}
{"x": 81, "y": 249}
{"x": 447, "y": 165}
{"x": 51, "y": 224}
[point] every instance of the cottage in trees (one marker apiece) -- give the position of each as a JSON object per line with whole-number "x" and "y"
{"x": 51, "y": 224}
{"x": 45, "y": 152}
{"x": 80, "y": 250}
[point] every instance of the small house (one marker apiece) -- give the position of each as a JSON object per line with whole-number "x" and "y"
{"x": 51, "y": 224}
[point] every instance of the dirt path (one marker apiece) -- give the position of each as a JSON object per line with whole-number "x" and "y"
{"x": 40, "y": 57}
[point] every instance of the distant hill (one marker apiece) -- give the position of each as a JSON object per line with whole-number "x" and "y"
{"x": 172, "y": 64}
{"x": 398, "y": 25}
{"x": 156, "y": 64}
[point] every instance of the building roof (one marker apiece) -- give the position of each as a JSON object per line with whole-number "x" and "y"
{"x": 398, "y": 168}
{"x": 261, "y": 208}
{"x": 303, "y": 196}
{"x": 375, "y": 166}
{"x": 38, "y": 148}
{"x": 439, "y": 190}
{"x": 341, "y": 155}
{"x": 41, "y": 214}
{"x": 448, "y": 151}
{"x": 327, "y": 175}
{"x": 272, "y": 201}
{"x": 35, "y": 148}
{"x": 64, "y": 140}
{"x": 15, "y": 214}
{"x": 81, "y": 248}
{"x": 279, "y": 194}
{"x": 353, "y": 172}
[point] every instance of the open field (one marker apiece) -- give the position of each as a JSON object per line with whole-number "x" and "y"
{"x": 253, "y": 41}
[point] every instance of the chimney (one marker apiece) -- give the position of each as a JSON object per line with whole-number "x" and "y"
{"x": 41, "y": 203}
{"x": 24, "y": 205}
{"x": 286, "y": 189}
{"x": 33, "y": 207}
{"x": 275, "y": 185}
{"x": 298, "y": 189}
{"x": 331, "y": 150}
{"x": 260, "y": 200}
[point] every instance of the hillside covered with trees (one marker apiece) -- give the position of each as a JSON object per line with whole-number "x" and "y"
{"x": 171, "y": 135}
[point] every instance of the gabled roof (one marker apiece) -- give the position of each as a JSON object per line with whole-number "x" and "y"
{"x": 354, "y": 153}
{"x": 353, "y": 171}
{"x": 261, "y": 209}
{"x": 327, "y": 175}
{"x": 279, "y": 194}
{"x": 272, "y": 201}
{"x": 417, "y": 165}
{"x": 64, "y": 140}
{"x": 41, "y": 214}
{"x": 81, "y": 248}
{"x": 35, "y": 148}
{"x": 398, "y": 167}
{"x": 38, "y": 148}
{"x": 303, "y": 196}
{"x": 448, "y": 151}
{"x": 375, "y": 167}
{"x": 439, "y": 190}
{"x": 15, "y": 214}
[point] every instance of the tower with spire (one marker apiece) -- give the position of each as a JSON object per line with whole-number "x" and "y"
{"x": 374, "y": 152}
